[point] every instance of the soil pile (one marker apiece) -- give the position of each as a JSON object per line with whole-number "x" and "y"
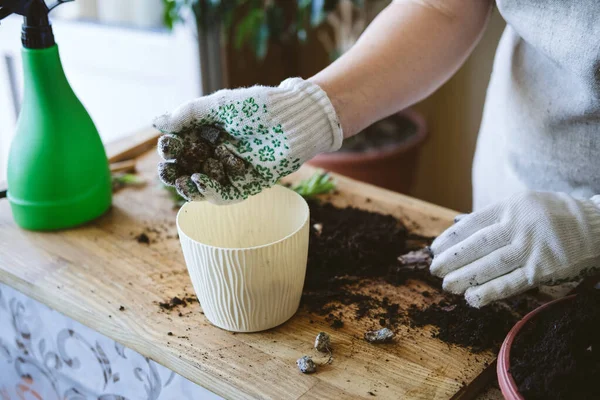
{"x": 557, "y": 355}
{"x": 351, "y": 242}
{"x": 350, "y": 247}
{"x": 458, "y": 323}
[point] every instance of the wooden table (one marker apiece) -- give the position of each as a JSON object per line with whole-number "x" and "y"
{"x": 89, "y": 273}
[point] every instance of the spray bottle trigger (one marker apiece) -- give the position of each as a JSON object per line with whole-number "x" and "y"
{"x": 58, "y": 3}
{"x": 8, "y": 7}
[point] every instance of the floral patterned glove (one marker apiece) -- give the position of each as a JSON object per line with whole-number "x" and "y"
{"x": 234, "y": 143}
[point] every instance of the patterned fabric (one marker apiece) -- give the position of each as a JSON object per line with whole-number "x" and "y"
{"x": 45, "y": 355}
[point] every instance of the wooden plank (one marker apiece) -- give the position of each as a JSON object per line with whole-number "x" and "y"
{"x": 127, "y": 166}
{"x": 88, "y": 273}
{"x": 132, "y": 146}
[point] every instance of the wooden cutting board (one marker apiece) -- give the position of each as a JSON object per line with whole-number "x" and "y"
{"x": 89, "y": 273}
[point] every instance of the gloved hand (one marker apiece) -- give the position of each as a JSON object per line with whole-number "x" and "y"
{"x": 530, "y": 239}
{"x": 260, "y": 133}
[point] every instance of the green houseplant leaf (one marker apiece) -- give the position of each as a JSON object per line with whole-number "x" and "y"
{"x": 320, "y": 183}
{"x": 261, "y": 21}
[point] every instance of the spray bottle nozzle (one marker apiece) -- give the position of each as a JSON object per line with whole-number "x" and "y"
{"x": 58, "y": 3}
{"x": 8, "y": 7}
{"x": 27, "y": 7}
{"x": 37, "y": 33}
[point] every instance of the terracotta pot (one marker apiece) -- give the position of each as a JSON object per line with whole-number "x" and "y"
{"x": 391, "y": 167}
{"x": 507, "y": 384}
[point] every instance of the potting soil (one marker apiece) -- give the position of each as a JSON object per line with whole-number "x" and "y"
{"x": 351, "y": 246}
{"x": 557, "y": 354}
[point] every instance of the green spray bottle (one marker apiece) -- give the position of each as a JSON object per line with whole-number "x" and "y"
{"x": 58, "y": 173}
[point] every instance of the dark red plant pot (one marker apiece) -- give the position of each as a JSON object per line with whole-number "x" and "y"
{"x": 392, "y": 167}
{"x": 507, "y": 384}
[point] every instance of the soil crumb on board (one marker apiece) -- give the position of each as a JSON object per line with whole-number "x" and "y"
{"x": 557, "y": 354}
{"x": 156, "y": 233}
{"x": 143, "y": 238}
{"x": 176, "y": 302}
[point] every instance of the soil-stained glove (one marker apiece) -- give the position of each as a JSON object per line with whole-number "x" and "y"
{"x": 234, "y": 143}
{"x": 530, "y": 239}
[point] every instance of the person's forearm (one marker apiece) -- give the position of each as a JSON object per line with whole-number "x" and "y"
{"x": 406, "y": 53}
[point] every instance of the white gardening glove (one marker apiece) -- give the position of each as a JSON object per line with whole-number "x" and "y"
{"x": 262, "y": 134}
{"x": 530, "y": 239}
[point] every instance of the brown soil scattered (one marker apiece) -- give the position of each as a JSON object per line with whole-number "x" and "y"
{"x": 557, "y": 354}
{"x": 352, "y": 247}
{"x": 458, "y": 323}
{"x": 176, "y": 302}
{"x": 142, "y": 238}
{"x": 156, "y": 233}
{"x": 337, "y": 324}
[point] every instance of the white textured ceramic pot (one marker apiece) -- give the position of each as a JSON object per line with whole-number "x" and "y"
{"x": 247, "y": 261}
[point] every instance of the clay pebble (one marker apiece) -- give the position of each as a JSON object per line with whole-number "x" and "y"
{"x": 306, "y": 365}
{"x": 187, "y": 189}
{"x": 233, "y": 165}
{"x": 213, "y": 168}
{"x": 383, "y": 335}
{"x": 210, "y": 133}
{"x": 323, "y": 342}
{"x": 221, "y": 152}
{"x": 194, "y": 155}
{"x": 195, "y": 152}
{"x": 169, "y": 147}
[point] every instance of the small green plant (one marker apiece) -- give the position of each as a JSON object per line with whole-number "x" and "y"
{"x": 120, "y": 180}
{"x": 320, "y": 183}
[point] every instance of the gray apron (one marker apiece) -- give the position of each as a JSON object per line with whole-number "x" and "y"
{"x": 541, "y": 123}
